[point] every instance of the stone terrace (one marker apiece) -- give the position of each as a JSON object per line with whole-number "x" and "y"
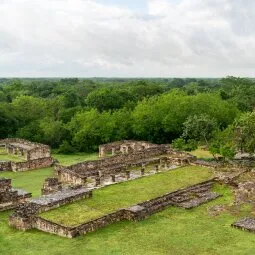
{"x": 245, "y": 224}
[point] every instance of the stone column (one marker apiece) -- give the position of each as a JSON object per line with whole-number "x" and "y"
{"x": 128, "y": 174}
{"x": 113, "y": 178}
{"x": 161, "y": 163}
{"x": 113, "y": 151}
{"x": 101, "y": 152}
{"x": 142, "y": 170}
{"x": 98, "y": 181}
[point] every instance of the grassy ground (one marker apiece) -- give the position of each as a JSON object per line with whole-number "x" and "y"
{"x": 69, "y": 159}
{"x": 114, "y": 197}
{"x": 29, "y": 180}
{"x": 199, "y": 153}
{"x": 10, "y": 157}
{"x": 173, "y": 231}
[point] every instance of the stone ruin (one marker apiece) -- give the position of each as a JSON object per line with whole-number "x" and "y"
{"x": 245, "y": 224}
{"x": 11, "y": 197}
{"x": 127, "y": 154}
{"x": 50, "y": 186}
{"x": 123, "y": 147}
{"x": 33, "y": 155}
{"x": 26, "y": 216}
{"x": 124, "y": 155}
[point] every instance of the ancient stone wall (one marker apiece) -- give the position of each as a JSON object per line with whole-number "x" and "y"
{"x": 24, "y": 216}
{"x": 26, "y": 149}
{"x": 50, "y": 186}
{"x": 31, "y": 164}
{"x": 10, "y": 197}
{"x": 187, "y": 198}
{"x": 123, "y": 147}
{"x": 5, "y": 166}
{"x": 78, "y": 173}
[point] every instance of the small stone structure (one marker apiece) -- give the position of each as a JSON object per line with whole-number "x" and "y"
{"x": 245, "y": 224}
{"x": 51, "y": 185}
{"x": 245, "y": 192}
{"x": 10, "y": 197}
{"x": 26, "y": 216}
{"x": 34, "y": 155}
{"x": 142, "y": 153}
{"x": 123, "y": 147}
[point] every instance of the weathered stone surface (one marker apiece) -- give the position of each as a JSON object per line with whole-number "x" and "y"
{"x": 216, "y": 210}
{"x": 245, "y": 224}
{"x": 51, "y": 185}
{"x": 10, "y": 197}
{"x": 245, "y": 192}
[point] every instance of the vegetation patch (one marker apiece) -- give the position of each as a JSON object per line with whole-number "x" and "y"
{"x": 4, "y": 156}
{"x": 70, "y": 159}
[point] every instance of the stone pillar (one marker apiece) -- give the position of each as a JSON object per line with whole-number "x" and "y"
{"x": 128, "y": 174}
{"x": 113, "y": 151}
{"x": 50, "y": 186}
{"x": 101, "y": 152}
{"x": 161, "y": 163}
{"x": 142, "y": 171}
{"x": 113, "y": 178}
{"x": 98, "y": 181}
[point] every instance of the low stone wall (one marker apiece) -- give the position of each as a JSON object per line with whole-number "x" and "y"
{"x": 247, "y": 224}
{"x": 31, "y": 164}
{"x": 137, "y": 212}
{"x": 11, "y": 197}
{"x": 24, "y": 216}
{"x": 5, "y": 166}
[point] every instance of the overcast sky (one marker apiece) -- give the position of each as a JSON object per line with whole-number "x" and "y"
{"x": 129, "y": 38}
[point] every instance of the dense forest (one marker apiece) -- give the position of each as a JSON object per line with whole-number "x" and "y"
{"x": 74, "y": 115}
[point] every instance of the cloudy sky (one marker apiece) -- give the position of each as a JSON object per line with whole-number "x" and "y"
{"x": 127, "y": 38}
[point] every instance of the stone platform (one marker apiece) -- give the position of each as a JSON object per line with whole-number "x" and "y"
{"x": 245, "y": 224}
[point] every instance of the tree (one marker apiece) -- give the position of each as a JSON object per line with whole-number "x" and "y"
{"x": 199, "y": 127}
{"x": 244, "y": 132}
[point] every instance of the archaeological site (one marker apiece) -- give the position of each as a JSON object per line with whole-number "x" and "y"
{"x": 122, "y": 162}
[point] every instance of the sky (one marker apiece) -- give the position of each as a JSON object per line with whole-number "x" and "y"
{"x": 127, "y": 38}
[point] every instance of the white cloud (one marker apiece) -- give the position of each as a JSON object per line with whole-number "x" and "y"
{"x": 88, "y": 38}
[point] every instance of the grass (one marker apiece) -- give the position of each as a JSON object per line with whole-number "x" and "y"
{"x": 114, "y": 197}
{"x": 199, "y": 153}
{"x": 29, "y": 180}
{"x": 69, "y": 159}
{"x": 9, "y": 157}
{"x": 172, "y": 231}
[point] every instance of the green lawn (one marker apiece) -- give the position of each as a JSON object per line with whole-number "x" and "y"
{"x": 122, "y": 195}
{"x": 199, "y": 153}
{"x": 29, "y": 180}
{"x": 10, "y": 157}
{"x": 69, "y": 159}
{"x": 172, "y": 231}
